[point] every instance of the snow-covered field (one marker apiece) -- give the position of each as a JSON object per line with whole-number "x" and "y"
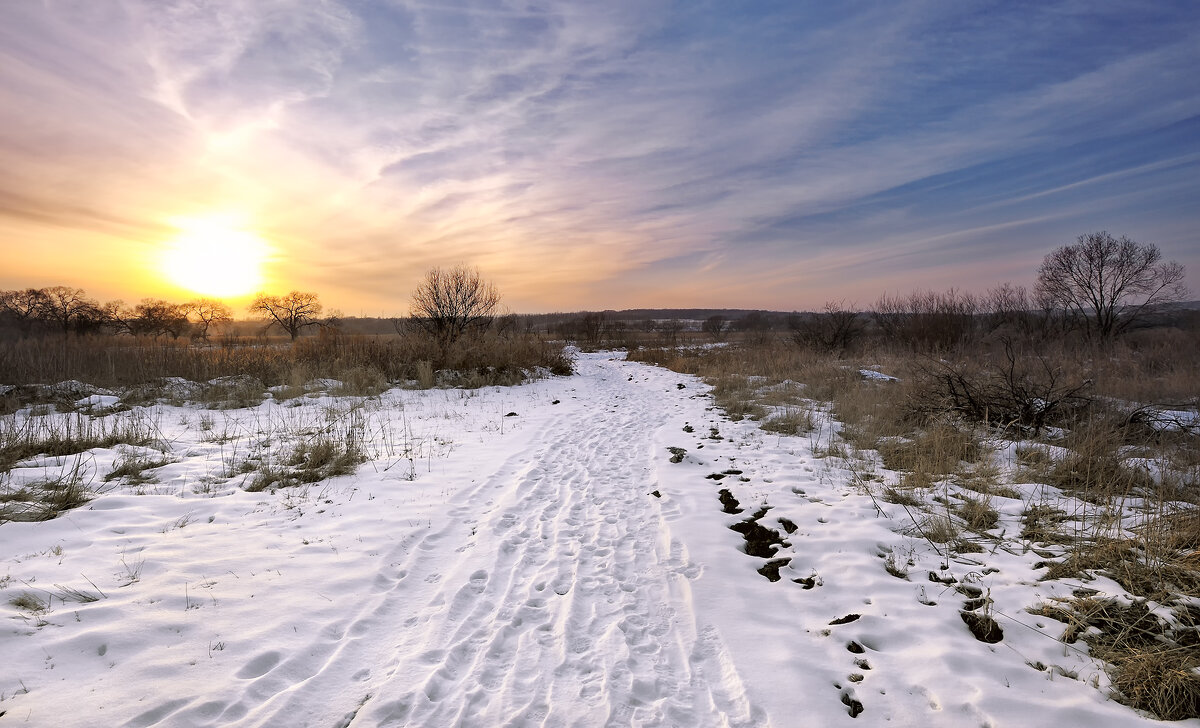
{"x": 526, "y": 556}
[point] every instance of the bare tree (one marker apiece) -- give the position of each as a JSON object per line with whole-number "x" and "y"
{"x": 22, "y": 309}
{"x": 1106, "y": 284}
{"x": 1013, "y": 311}
{"x": 207, "y": 312}
{"x": 292, "y": 313}
{"x": 715, "y": 326}
{"x": 756, "y": 326}
{"x": 926, "y": 320}
{"x": 669, "y": 331}
{"x": 834, "y": 329}
{"x": 119, "y": 317}
{"x": 450, "y": 302}
{"x": 508, "y": 325}
{"x": 591, "y": 328}
{"x": 68, "y": 308}
{"x": 155, "y": 317}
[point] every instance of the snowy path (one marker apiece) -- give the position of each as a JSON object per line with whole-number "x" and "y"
{"x": 553, "y": 595}
{"x": 553, "y": 568}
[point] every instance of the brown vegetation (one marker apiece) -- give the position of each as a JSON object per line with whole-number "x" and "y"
{"x": 1085, "y": 417}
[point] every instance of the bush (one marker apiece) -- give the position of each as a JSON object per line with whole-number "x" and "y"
{"x": 1014, "y": 391}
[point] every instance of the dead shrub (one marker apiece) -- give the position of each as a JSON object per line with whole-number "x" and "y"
{"x": 928, "y": 320}
{"x": 1022, "y": 391}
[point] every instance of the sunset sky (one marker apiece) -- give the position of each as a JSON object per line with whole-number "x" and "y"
{"x": 588, "y": 154}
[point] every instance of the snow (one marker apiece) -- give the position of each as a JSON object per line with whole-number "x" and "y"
{"x": 98, "y": 402}
{"x": 552, "y": 568}
{"x": 877, "y": 376}
{"x": 1169, "y": 420}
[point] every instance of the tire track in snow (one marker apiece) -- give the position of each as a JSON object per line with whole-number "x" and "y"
{"x": 554, "y": 596}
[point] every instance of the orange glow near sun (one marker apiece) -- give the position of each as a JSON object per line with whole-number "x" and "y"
{"x": 213, "y": 256}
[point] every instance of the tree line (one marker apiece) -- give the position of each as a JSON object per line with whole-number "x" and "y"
{"x": 448, "y": 304}
{"x": 66, "y": 310}
{"x": 1095, "y": 289}
{"x": 1098, "y": 287}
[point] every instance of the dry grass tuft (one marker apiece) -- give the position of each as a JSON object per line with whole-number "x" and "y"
{"x": 792, "y": 421}
{"x": 1041, "y": 524}
{"x": 318, "y": 458}
{"x": 939, "y": 450}
{"x": 23, "y": 438}
{"x": 937, "y": 529}
{"x": 978, "y": 514}
{"x": 132, "y": 469}
{"x": 45, "y": 499}
{"x": 1152, "y": 662}
{"x": 1158, "y": 678}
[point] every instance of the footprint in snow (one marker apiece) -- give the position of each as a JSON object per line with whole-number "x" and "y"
{"x": 259, "y": 666}
{"x": 479, "y": 578}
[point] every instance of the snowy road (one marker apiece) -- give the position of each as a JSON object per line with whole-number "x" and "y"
{"x": 552, "y": 595}
{"x": 526, "y": 556}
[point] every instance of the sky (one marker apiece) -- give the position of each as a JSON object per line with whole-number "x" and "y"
{"x": 588, "y": 155}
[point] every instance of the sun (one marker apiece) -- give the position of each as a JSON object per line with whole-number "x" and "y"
{"x": 213, "y": 256}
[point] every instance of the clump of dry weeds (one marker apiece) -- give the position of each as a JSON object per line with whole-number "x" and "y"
{"x": 1152, "y": 661}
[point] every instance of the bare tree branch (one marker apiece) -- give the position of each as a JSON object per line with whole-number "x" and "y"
{"x": 292, "y": 312}
{"x": 451, "y": 302}
{"x": 1107, "y": 284}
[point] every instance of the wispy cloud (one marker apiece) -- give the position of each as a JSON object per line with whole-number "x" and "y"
{"x": 609, "y": 154}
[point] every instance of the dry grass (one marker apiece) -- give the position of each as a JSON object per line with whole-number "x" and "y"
{"x": 323, "y": 455}
{"x": 45, "y": 499}
{"x": 1152, "y": 663}
{"x": 903, "y": 496}
{"x": 362, "y": 363}
{"x": 936, "y": 528}
{"x": 1041, "y": 523}
{"x": 1146, "y": 367}
{"x": 978, "y": 514}
{"x": 791, "y": 421}
{"x": 939, "y": 450}
{"x": 985, "y": 477}
{"x": 1035, "y": 461}
{"x": 934, "y": 444}
{"x": 1094, "y": 468}
{"x": 132, "y": 469}
{"x": 1158, "y": 678}
{"x": 1140, "y": 567}
{"x": 25, "y": 437}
